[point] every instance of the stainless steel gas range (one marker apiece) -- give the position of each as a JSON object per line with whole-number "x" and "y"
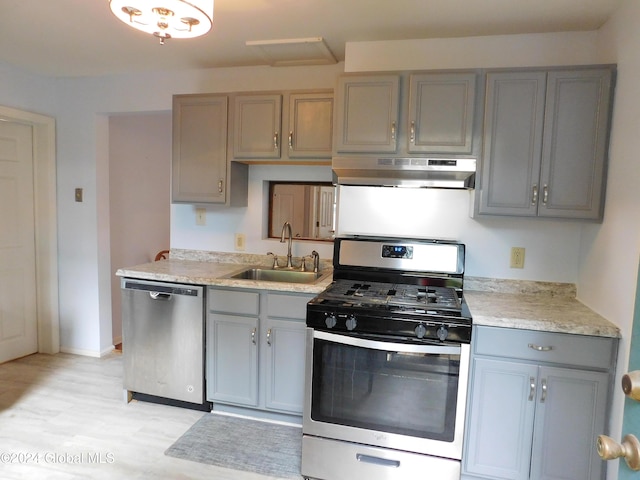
{"x": 387, "y": 363}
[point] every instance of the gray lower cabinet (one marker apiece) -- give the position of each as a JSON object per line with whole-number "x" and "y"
{"x": 255, "y": 349}
{"x": 545, "y": 143}
{"x": 537, "y": 402}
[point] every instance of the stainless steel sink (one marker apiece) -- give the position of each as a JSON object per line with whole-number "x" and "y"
{"x": 275, "y": 275}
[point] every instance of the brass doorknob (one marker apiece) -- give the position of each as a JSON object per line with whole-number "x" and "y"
{"x": 629, "y": 449}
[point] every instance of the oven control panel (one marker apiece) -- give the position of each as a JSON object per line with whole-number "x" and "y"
{"x": 397, "y": 251}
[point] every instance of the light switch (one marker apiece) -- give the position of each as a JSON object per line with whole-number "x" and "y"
{"x": 78, "y": 195}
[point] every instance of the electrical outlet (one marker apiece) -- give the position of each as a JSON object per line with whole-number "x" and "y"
{"x": 201, "y": 216}
{"x": 517, "y": 257}
{"x": 239, "y": 242}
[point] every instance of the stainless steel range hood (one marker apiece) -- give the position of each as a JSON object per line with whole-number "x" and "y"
{"x": 405, "y": 172}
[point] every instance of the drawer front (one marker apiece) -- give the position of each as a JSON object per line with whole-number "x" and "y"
{"x": 233, "y": 301}
{"x": 562, "y": 348}
{"x": 287, "y": 306}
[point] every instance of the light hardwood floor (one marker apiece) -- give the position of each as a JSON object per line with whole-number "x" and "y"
{"x": 63, "y": 417}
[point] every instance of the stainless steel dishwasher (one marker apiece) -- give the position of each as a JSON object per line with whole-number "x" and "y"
{"x": 163, "y": 342}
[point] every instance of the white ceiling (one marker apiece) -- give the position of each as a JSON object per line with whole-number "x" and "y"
{"x": 83, "y": 37}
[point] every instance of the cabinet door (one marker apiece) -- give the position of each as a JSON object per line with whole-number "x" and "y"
{"x": 575, "y": 144}
{"x": 367, "y": 113}
{"x": 570, "y": 414}
{"x": 310, "y": 131}
{"x": 232, "y": 359}
{"x": 199, "y": 160}
{"x": 257, "y": 120}
{"x": 514, "y": 115}
{"x": 284, "y": 364}
{"x": 441, "y": 112}
{"x": 500, "y": 424}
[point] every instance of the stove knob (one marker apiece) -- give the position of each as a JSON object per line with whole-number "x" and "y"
{"x": 330, "y": 321}
{"x": 442, "y": 333}
{"x": 420, "y": 330}
{"x": 351, "y": 323}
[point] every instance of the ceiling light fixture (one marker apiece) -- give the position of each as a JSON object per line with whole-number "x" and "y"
{"x": 166, "y": 18}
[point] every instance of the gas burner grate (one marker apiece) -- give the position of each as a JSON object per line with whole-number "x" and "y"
{"x": 393, "y": 294}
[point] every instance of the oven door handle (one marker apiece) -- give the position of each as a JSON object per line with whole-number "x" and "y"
{"x": 386, "y": 346}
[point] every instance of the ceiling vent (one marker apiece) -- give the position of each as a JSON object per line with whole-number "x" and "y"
{"x": 293, "y": 51}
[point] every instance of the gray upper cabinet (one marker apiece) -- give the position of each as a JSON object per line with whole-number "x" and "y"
{"x": 367, "y": 112}
{"x": 199, "y": 160}
{"x": 310, "y": 125}
{"x": 545, "y": 143}
{"x": 282, "y": 126}
{"x": 441, "y": 113}
{"x": 257, "y": 126}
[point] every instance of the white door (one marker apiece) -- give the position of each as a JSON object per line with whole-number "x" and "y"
{"x": 289, "y": 206}
{"x": 325, "y": 212}
{"x": 18, "y": 321}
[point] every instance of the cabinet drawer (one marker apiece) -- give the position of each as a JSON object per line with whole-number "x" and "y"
{"x": 234, "y": 301}
{"x": 287, "y": 306}
{"x": 578, "y": 350}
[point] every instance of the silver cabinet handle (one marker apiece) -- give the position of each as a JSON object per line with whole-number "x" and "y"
{"x": 538, "y": 348}
{"x": 275, "y": 141}
{"x": 534, "y": 195}
{"x": 532, "y": 388}
{"x": 220, "y": 186}
{"x": 269, "y": 337}
{"x": 393, "y": 130}
{"x": 412, "y": 132}
{"x": 543, "y": 395}
{"x": 253, "y": 336}
{"x": 545, "y": 194}
{"x": 290, "y": 140}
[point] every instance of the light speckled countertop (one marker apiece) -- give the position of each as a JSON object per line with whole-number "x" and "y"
{"x": 211, "y": 268}
{"x": 528, "y": 305}
{"x": 550, "y": 307}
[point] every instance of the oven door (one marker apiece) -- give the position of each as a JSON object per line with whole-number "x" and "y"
{"x": 405, "y": 396}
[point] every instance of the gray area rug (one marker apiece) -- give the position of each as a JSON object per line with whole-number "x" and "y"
{"x": 242, "y": 444}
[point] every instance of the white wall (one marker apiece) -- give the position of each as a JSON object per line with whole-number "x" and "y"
{"x": 83, "y": 107}
{"x": 222, "y": 223}
{"x": 139, "y": 195}
{"x": 551, "y": 246}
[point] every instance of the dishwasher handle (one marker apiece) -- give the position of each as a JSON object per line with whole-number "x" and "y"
{"x": 163, "y": 291}
{"x": 160, "y": 296}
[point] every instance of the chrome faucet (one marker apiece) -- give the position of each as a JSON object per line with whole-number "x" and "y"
{"x": 316, "y": 261}
{"x": 287, "y": 227}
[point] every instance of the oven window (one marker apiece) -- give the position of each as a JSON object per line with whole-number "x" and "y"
{"x": 403, "y": 393}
